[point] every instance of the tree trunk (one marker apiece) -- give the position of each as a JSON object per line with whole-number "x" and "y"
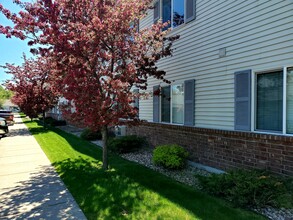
{"x": 104, "y": 132}
{"x": 44, "y": 119}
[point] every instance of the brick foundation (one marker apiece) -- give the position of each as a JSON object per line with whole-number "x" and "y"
{"x": 224, "y": 149}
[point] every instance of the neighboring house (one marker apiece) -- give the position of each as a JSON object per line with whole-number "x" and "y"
{"x": 56, "y": 112}
{"x": 231, "y": 98}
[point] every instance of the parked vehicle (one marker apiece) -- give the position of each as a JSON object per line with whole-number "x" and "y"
{"x": 3, "y": 127}
{"x": 8, "y": 115}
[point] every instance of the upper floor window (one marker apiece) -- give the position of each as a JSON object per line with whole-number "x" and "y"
{"x": 177, "y": 12}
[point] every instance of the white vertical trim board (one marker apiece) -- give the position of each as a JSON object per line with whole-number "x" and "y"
{"x": 253, "y": 101}
{"x": 284, "y": 130}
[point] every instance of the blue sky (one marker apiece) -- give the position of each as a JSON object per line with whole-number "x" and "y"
{"x": 11, "y": 49}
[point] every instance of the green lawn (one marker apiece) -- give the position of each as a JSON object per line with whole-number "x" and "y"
{"x": 128, "y": 190}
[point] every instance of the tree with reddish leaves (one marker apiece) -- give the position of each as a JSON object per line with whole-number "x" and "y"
{"x": 31, "y": 84}
{"x": 100, "y": 56}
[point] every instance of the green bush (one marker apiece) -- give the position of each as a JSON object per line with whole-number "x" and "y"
{"x": 53, "y": 122}
{"x": 126, "y": 144}
{"x": 170, "y": 156}
{"x": 58, "y": 123}
{"x": 90, "y": 135}
{"x": 111, "y": 134}
{"x": 48, "y": 120}
{"x": 244, "y": 188}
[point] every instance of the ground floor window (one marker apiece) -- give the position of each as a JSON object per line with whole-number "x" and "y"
{"x": 274, "y": 101}
{"x": 269, "y": 101}
{"x": 177, "y": 104}
{"x": 165, "y": 104}
{"x": 172, "y": 104}
{"x": 289, "y": 103}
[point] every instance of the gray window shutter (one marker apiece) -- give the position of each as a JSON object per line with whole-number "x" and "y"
{"x": 190, "y": 10}
{"x": 189, "y": 107}
{"x": 242, "y": 111}
{"x": 156, "y": 11}
{"x": 156, "y": 105}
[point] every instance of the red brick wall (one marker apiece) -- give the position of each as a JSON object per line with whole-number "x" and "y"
{"x": 224, "y": 149}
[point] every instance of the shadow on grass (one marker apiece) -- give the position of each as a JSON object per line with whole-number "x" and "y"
{"x": 24, "y": 131}
{"x": 102, "y": 195}
{"x": 131, "y": 191}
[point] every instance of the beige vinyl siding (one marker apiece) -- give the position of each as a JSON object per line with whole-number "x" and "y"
{"x": 257, "y": 35}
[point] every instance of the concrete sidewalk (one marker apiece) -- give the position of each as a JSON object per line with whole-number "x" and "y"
{"x": 29, "y": 186}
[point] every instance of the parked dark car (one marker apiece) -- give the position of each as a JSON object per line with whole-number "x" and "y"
{"x": 3, "y": 127}
{"x": 8, "y": 115}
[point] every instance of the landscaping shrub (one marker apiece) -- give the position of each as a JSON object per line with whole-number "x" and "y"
{"x": 58, "y": 123}
{"x": 111, "y": 133}
{"x": 53, "y": 122}
{"x": 48, "y": 120}
{"x": 126, "y": 144}
{"x": 170, "y": 156}
{"x": 244, "y": 188}
{"x": 90, "y": 135}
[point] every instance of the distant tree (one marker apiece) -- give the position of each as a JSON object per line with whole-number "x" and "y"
{"x": 100, "y": 55}
{"x": 4, "y": 95}
{"x": 32, "y": 87}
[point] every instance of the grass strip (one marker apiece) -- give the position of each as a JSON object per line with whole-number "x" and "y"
{"x": 127, "y": 190}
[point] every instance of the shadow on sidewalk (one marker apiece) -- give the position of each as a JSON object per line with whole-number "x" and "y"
{"x": 40, "y": 197}
{"x": 25, "y": 132}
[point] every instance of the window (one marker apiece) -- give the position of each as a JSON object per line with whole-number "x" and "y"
{"x": 166, "y": 11}
{"x": 177, "y": 12}
{"x": 289, "y": 97}
{"x": 172, "y": 104}
{"x": 165, "y": 104}
{"x": 269, "y": 101}
{"x": 175, "y": 104}
{"x": 274, "y": 101}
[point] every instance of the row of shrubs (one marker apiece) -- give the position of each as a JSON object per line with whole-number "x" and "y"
{"x": 90, "y": 135}
{"x": 254, "y": 188}
{"x": 168, "y": 156}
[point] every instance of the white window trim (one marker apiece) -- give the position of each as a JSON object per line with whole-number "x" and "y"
{"x": 253, "y": 102}
{"x": 284, "y": 130}
{"x": 254, "y": 106}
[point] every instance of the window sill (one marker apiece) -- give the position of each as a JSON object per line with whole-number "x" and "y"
{"x": 279, "y": 133}
{"x": 167, "y": 123}
{"x": 178, "y": 28}
{"x": 173, "y": 31}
